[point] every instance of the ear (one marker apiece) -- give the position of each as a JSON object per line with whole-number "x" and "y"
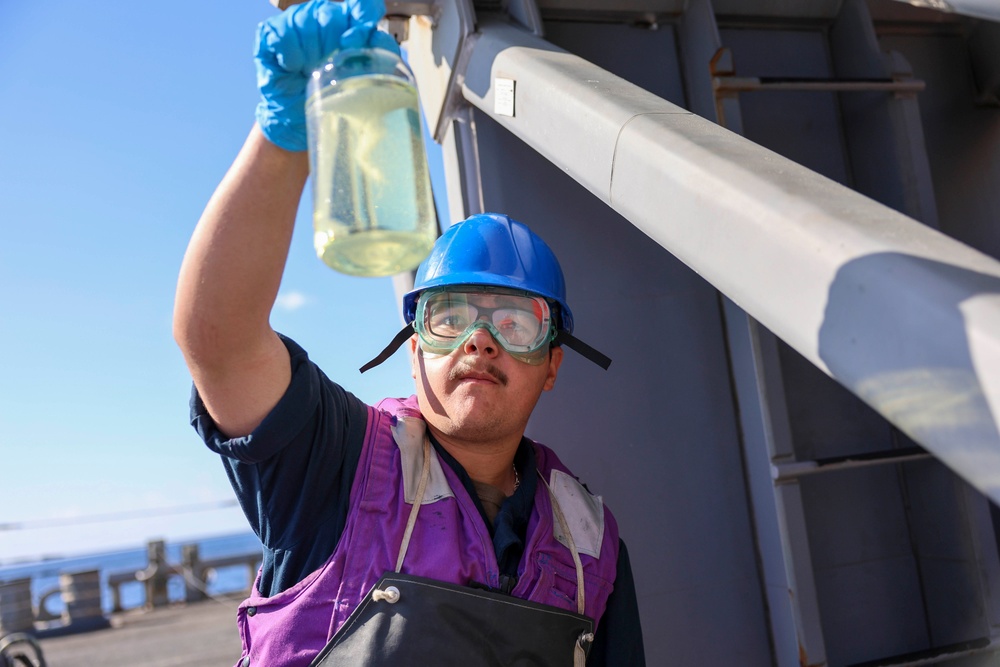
{"x": 555, "y": 359}
{"x": 414, "y": 353}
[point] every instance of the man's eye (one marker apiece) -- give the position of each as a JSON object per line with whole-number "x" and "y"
{"x": 510, "y": 325}
{"x": 449, "y": 320}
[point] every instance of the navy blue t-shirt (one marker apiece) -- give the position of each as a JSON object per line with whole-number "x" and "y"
{"x": 293, "y": 478}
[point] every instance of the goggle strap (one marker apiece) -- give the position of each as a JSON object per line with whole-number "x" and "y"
{"x": 581, "y": 348}
{"x": 391, "y": 348}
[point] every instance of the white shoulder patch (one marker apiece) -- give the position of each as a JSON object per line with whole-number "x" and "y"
{"x": 584, "y": 514}
{"x": 409, "y": 435}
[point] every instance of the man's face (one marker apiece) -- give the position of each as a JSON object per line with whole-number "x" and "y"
{"x": 478, "y": 392}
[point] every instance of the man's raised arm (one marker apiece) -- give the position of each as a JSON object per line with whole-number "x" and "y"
{"x": 228, "y": 283}
{"x": 233, "y": 266}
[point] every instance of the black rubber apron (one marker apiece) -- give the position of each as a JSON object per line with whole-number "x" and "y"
{"x": 407, "y": 620}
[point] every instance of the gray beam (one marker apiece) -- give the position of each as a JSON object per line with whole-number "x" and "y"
{"x": 905, "y": 317}
{"x": 982, "y": 9}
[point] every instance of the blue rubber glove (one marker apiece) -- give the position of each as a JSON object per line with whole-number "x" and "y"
{"x": 292, "y": 44}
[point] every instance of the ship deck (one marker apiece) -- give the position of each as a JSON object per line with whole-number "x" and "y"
{"x": 200, "y": 634}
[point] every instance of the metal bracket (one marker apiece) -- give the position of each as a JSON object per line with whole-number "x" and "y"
{"x": 454, "y": 100}
{"x": 397, "y": 16}
{"x": 526, "y": 13}
{"x": 441, "y": 59}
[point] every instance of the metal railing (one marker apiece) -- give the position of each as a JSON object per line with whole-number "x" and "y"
{"x": 81, "y": 593}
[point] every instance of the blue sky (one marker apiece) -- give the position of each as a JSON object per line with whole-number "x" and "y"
{"x": 119, "y": 119}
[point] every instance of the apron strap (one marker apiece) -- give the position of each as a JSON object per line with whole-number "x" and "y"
{"x": 579, "y": 654}
{"x": 561, "y": 518}
{"x": 425, "y": 474}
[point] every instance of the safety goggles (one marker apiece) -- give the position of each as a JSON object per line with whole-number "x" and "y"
{"x": 521, "y": 323}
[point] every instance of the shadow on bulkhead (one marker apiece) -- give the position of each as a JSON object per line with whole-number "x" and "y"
{"x": 896, "y": 332}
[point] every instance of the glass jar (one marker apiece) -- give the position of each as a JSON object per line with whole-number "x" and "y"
{"x": 373, "y": 211}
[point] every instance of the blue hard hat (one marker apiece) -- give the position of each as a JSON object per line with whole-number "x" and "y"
{"x": 490, "y": 249}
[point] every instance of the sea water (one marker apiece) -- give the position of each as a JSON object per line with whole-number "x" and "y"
{"x": 373, "y": 207}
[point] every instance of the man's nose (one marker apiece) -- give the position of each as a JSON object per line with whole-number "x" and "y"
{"x": 481, "y": 341}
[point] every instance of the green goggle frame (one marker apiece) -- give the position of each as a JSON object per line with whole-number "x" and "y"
{"x": 520, "y": 322}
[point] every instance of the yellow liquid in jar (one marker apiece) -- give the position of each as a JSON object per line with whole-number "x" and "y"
{"x": 373, "y": 212}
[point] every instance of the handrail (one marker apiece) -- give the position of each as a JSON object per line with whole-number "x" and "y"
{"x": 194, "y": 574}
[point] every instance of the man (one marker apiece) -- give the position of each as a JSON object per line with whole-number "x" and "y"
{"x": 420, "y": 531}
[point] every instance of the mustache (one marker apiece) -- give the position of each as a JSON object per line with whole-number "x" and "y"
{"x": 460, "y": 371}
